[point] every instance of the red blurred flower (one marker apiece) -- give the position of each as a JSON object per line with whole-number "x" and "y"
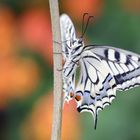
{"x": 76, "y": 8}
{"x": 39, "y": 125}
{"x": 18, "y": 77}
{"x": 35, "y": 30}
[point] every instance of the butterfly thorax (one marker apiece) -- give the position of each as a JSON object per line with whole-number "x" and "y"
{"x": 74, "y": 56}
{"x": 76, "y": 48}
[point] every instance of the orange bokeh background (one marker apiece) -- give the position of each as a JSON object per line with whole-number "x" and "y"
{"x": 35, "y": 30}
{"x": 93, "y": 7}
{"x": 38, "y": 125}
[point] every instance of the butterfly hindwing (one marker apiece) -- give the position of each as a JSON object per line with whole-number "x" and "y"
{"x": 96, "y": 85}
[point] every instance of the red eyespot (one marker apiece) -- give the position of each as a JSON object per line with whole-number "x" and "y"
{"x": 77, "y": 97}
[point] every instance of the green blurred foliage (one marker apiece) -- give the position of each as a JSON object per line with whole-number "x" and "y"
{"x": 18, "y": 110}
{"x": 117, "y": 27}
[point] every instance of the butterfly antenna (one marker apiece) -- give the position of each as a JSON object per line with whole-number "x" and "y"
{"x": 83, "y": 32}
{"x": 83, "y": 21}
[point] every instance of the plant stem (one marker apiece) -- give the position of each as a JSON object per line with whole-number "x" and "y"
{"x": 58, "y": 99}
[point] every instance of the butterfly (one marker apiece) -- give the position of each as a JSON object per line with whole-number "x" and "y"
{"x": 103, "y": 70}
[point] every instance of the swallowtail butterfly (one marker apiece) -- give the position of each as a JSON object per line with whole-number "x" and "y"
{"x": 103, "y": 70}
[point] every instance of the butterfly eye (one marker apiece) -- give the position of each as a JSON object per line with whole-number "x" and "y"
{"x": 80, "y": 41}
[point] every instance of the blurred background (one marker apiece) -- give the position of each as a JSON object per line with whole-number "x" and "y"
{"x": 26, "y": 76}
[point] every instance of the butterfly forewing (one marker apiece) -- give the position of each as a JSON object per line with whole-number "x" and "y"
{"x": 67, "y": 34}
{"x": 124, "y": 65}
